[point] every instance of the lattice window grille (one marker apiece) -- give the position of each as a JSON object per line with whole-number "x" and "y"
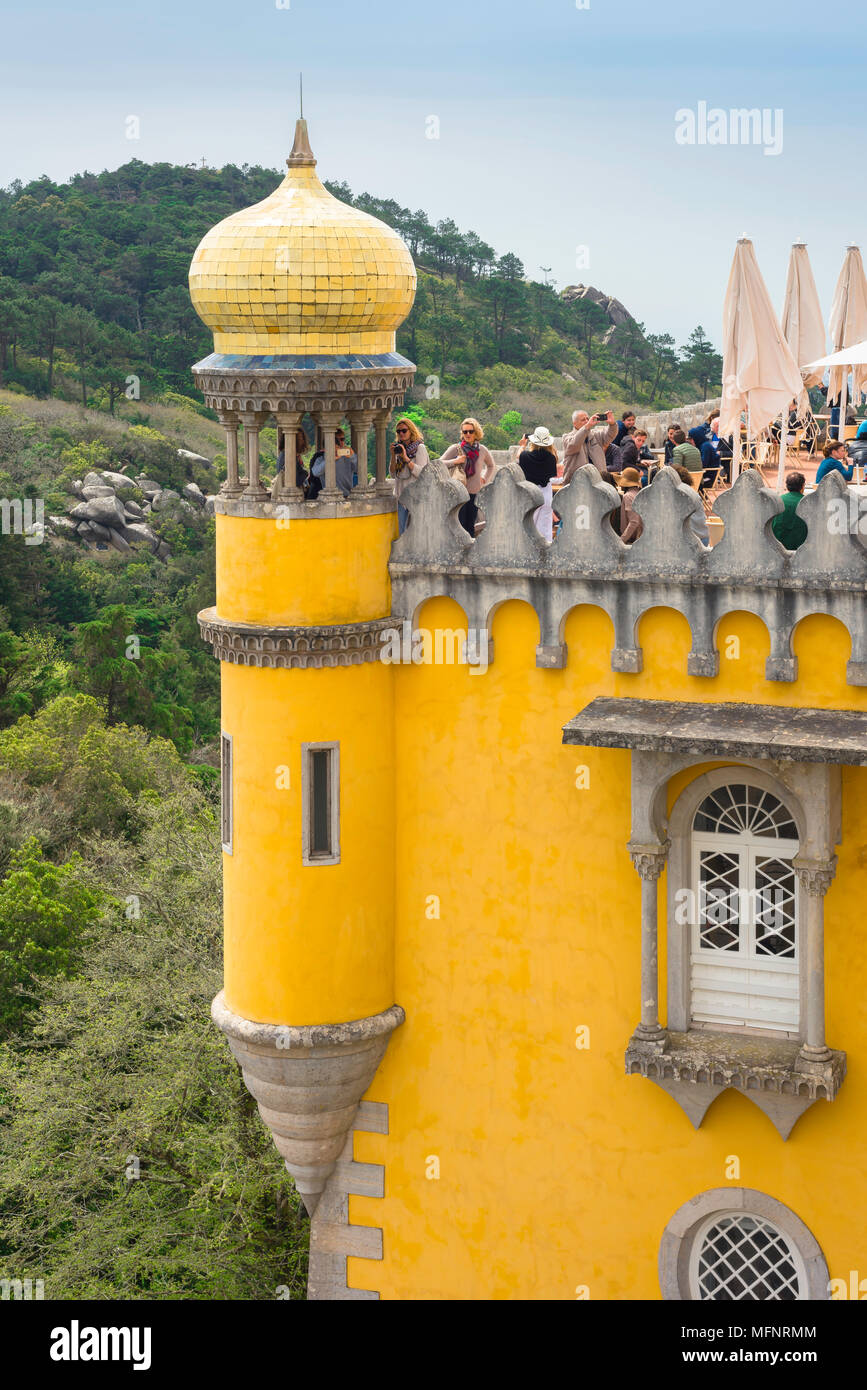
{"x": 738, "y": 1257}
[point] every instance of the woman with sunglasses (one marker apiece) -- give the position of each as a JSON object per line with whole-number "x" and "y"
{"x": 472, "y": 463}
{"x": 408, "y": 458}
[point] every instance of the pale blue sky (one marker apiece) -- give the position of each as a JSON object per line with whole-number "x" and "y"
{"x": 556, "y": 124}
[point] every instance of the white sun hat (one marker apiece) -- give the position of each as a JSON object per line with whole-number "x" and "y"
{"x": 541, "y": 435}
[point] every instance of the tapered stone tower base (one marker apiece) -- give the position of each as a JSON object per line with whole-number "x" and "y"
{"x": 307, "y": 1083}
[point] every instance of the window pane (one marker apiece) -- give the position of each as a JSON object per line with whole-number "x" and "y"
{"x": 226, "y": 790}
{"x": 320, "y": 836}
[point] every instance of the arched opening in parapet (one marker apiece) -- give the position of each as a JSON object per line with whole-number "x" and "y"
{"x": 513, "y": 624}
{"x": 437, "y": 636}
{"x": 588, "y": 633}
{"x": 663, "y": 635}
{"x": 743, "y": 642}
{"x": 822, "y": 646}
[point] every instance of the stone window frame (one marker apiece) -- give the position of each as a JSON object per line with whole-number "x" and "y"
{"x": 694, "y": 1065}
{"x": 227, "y": 824}
{"x": 690, "y": 1220}
{"x": 308, "y": 858}
{"x": 680, "y": 874}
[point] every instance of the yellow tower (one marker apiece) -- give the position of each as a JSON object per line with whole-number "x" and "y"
{"x": 304, "y": 295}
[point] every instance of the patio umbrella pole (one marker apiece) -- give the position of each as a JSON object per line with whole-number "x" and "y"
{"x": 784, "y": 429}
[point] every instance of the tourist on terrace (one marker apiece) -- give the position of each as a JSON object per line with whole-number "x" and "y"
{"x": 699, "y": 433}
{"x": 685, "y": 454}
{"x": 613, "y": 517}
{"x": 408, "y": 457}
{"x": 716, "y": 454}
{"x": 471, "y": 463}
{"x": 862, "y": 430}
{"x": 345, "y": 466}
{"x": 835, "y": 452}
{"x": 582, "y": 444}
{"x": 631, "y": 525}
{"x": 669, "y": 443}
{"x": 624, "y": 425}
{"x": 645, "y": 453}
{"x": 789, "y": 528}
{"x": 834, "y": 422}
{"x": 629, "y": 449}
{"x": 697, "y": 519}
{"x": 538, "y": 463}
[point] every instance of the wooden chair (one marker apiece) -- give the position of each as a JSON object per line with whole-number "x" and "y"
{"x": 711, "y": 489}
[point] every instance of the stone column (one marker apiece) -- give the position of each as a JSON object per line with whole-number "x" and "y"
{"x": 232, "y": 486}
{"x": 360, "y": 425}
{"x": 383, "y": 484}
{"x": 649, "y": 861}
{"x": 252, "y": 424}
{"x": 815, "y": 877}
{"x": 329, "y": 423}
{"x": 286, "y": 488}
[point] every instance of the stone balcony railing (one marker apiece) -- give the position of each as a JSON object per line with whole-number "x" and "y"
{"x": 587, "y": 563}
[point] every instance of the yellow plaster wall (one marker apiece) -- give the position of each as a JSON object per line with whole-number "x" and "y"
{"x": 315, "y": 944}
{"x": 556, "y": 1170}
{"x": 305, "y": 572}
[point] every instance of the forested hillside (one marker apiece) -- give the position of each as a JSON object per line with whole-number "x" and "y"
{"x": 93, "y": 290}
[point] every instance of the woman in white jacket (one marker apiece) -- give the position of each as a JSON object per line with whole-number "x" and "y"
{"x": 408, "y": 458}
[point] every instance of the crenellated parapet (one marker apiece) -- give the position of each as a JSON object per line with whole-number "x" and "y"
{"x": 588, "y": 563}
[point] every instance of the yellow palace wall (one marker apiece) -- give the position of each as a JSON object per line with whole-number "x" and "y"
{"x": 556, "y": 1170}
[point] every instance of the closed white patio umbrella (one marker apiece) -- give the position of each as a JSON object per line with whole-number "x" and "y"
{"x": 848, "y": 325}
{"x": 760, "y": 375}
{"x": 804, "y": 330}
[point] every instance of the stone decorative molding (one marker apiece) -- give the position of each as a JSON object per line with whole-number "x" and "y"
{"x": 676, "y": 1246}
{"x": 814, "y": 876}
{"x": 649, "y": 860}
{"x": 291, "y": 384}
{"x": 307, "y": 1082}
{"x": 697, "y": 1066}
{"x": 282, "y": 510}
{"x": 252, "y": 644}
{"x": 332, "y": 1237}
{"x": 587, "y": 563}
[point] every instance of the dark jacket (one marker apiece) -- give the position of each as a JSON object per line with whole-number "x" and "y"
{"x": 789, "y": 528}
{"x": 628, "y": 452}
{"x": 537, "y": 465}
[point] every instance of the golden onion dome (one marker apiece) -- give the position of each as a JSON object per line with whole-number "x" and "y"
{"x": 302, "y": 272}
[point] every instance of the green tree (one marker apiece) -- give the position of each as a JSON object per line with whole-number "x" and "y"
{"x": 701, "y": 361}
{"x": 45, "y": 911}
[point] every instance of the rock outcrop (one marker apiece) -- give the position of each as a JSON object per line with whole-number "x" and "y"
{"x": 98, "y": 516}
{"x": 616, "y": 312}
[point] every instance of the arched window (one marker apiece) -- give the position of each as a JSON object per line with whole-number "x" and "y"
{"x": 737, "y": 1256}
{"x": 744, "y": 947}
{"x": 736, "y": 1244}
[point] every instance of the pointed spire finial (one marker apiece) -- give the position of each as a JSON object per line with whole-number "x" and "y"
{"x": 301, "y": 152}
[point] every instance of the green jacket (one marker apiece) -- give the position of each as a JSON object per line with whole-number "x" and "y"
{"x": 789, "y": 528}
